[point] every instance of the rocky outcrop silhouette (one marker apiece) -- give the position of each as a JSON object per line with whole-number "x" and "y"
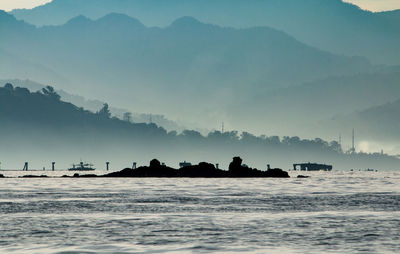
{"x": 276, "y": 172}
{"x": 34, "y": 176}
{"x": 203, "y": 169}
{"x": 155, "y": 169}
{"x": 76, "y": 175}
{"x": 301, "y": 176}
{"x": 237, "y": 169}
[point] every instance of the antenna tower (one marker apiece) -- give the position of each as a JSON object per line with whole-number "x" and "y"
{"x": 353, "y": 148}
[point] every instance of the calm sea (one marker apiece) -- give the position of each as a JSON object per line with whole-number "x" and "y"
{"x": 336, "y": 212}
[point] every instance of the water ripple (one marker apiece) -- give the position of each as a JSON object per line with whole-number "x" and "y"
{"x": 336, "y": 213}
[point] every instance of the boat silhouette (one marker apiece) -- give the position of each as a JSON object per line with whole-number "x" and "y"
{"x": 81, "y": 166}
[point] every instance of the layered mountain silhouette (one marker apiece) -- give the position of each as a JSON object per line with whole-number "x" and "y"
{"x": 93, "y": 105}
{"x": 206, "y": 68}
{"x": 375, "y": 123}
{"x": 254, "y": 77}
{"x": 12, "y": 66}
{"x": 303, "y": 107}
{"x": 327, "y": 24}
{"x": 40, "y": 126}
{"x": 186, "y": 50}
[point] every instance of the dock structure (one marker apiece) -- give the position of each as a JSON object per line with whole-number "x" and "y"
{"x": 312, "y": 167}
{"x": 184, "y": 164}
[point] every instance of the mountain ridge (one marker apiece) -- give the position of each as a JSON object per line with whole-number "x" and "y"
{"x": 331, "y": 25}
{"x": 174, "y": 63}
{"x": 41, "y": 120}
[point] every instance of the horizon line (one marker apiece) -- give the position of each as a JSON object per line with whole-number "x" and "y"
{"x": 362, "y": 7}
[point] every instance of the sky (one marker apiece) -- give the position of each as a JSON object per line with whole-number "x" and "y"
{"x": 377, "y": 5}
{"x": 373, "y": 5}
{"x": 17, "y": 4}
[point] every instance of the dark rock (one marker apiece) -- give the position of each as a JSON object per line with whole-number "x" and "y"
{"x": 301, "y": 176}
{"x": 88, "y": 176}
{"x": 154, "y": 170}
{"x": 236, "y": 169}
{"x": 235, "y": 165}
{"x": 76, "y": 175}
{"x": 154, "y": 163}
{"x": 204, "y": 169}
{"x": 34, "y": 176}
{"x": 277, "y": 172}
{"x": 127, "y": 172}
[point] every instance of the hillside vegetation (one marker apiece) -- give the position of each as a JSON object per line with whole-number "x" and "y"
{"x": 40, "y": 124}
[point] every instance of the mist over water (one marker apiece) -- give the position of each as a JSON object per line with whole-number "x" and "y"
{"x": 121, "y": 83}
{"x": 336, "y": 212}
{"x": 264, "y": 67}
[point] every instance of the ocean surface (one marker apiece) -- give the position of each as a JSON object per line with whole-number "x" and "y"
{"x": 331, "y": 212}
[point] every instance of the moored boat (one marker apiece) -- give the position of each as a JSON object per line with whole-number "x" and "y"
{"x": 82, "y": 167}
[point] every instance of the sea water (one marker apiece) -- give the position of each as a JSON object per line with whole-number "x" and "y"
{"x": 330, "y": 212}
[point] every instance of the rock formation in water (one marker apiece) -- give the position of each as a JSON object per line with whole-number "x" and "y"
{"x": 155, "y": 169}
{"x": 34, "y": 176}
{"x": 203, "y": 169}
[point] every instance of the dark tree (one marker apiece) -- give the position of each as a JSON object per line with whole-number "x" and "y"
{"x": 22, "y": 91}
{"x": 127, "y": 117}
{"x": 9, "y": 87}
{"x": 51, "y": 93}
{"x": 236, "y": 165}
{"x": 155, "y": 163}
{"x": 104, "y": 111}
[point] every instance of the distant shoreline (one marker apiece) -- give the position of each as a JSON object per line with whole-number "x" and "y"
{"x": 202, "y": 170}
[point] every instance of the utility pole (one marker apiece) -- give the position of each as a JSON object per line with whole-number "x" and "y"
{"x": 353, "y": 147}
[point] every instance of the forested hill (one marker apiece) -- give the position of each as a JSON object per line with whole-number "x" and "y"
{"x": 36, "y": 125}
{"x": 45, "y": 109}
{"x": 124, "y": 62}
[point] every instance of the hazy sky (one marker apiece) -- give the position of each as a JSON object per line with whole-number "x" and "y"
{"x": 14, "y": 4}
{"x": 377, "y": 5}
{"x": 374, "y": 5}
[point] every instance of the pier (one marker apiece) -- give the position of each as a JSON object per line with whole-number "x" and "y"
{"x": 312, "y": 167}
